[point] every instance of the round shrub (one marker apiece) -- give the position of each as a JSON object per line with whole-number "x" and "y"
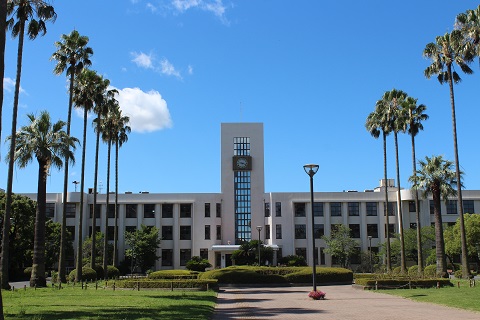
{"x": 27, "y": 272}
{"x": 98, "y": 269}
{"x": 430, "y": 271}
{"x": 198, "y": 264}
{"x": 458, "y": 274}
{"x": 397, "y": 270}
{"x": 88, "y": 274}
{"x": 413, "y": 271}
{"x": 293, "y": 261}
{"x": 112, "y": 272}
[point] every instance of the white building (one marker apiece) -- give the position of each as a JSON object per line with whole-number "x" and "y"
{"x": 212, "y": 225}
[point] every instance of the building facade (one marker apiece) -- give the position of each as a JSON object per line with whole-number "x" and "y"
{"x": 213, "y": 225}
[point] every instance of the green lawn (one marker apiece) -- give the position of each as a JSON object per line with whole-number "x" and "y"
{"x": 75, "y": 303}
{"x": 464, "y": 297}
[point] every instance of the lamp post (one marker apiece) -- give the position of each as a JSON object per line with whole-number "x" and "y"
{"x": 370, "y": 252}
{"x": 259, "y": 228}
{"x": 311, "y": 169}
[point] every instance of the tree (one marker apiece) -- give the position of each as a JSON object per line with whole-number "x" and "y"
{"x": 247, "y": 254}
{"x": 378, "y": 122}
{"x": 72, "y": 55}
{"x": 143, "y": 245}
{"x": 49, "y": 144}
{"x": 469, "y": 24}
{"x": 86, "y": 93}
{"x": 198, "y": 264}
{"x": 52, "y": 243}
{"x": 437, "y": 178}
{"x": 414, "y": 115}
{"x": 472, "y": 229}
{"x": 20, "y": 12}
{"x": 87, "y": 249}
{"x": 446, "y": 50}
{"x": 340, "y": 245}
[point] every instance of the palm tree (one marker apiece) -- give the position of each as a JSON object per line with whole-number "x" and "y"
{"x": 49, "y": 144}
{"x": 121, "y": 136}
{"x": 446, "y": 50}
{"x": 378, "y": 123}
{"x": 414, "y": 115}
{"x": 469, "y": 24}
{"x": 85, "y": 94}
{"x": 21, "y": 11}
{"x": 437, "y": 178}
{"x": 3, "y": 40}
{"x": 72, "y": 55}
{"x": 391, "y": 105}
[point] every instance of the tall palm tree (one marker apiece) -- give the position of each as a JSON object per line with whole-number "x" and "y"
{"x": 20, "y": 11}
{"x": 391, "y": 105}
{"x": 378, "y": 123}
{"x": 49, "y": 144}
{"x": 121, "y": 136}
{"x": 469, "y": 24}
{"x": 3, "y": 40}
{"x": 415, "y": 115}
{"x": 85, "y": 94}
{"x": 72, "y": 55}
{"x": 436, "y": 177}
{"x": 446, "y": 50}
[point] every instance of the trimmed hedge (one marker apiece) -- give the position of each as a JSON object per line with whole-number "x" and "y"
{"x": 240, "y": 275}
{"x": 324, "y": 275}
{"x": 399, "y": 284}
{"x": 173, "y": 274}
{"x": 166, "y": 284}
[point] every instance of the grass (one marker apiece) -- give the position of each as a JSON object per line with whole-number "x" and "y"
{"x": 463, "y": 297}
{"x": 75, "y": 303}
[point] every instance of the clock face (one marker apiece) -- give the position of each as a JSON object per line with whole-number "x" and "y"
{"x": 242, "y": 163}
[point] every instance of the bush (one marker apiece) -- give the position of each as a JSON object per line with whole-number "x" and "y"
{"x": 293, "y": 261}
{"x": 413, "y": 271}
{"x": 54, "y": 278}
{"x": 403, "y": 284}
{"x": 198, "y": 264}
{"x": 98, "y": 269}
{"x": 323, "y": 275}
{"x": 88, "y": 274}
{"x": 397, "y": 270}
{"x": 172, "y": 274}
{"x": 458, "y": 274}
{"x": 430, "y": 271}
{"x": 112, "y": 272}
{"x": 240, "y": 275}
{"x": 27, "y": 272}
{"x": 164, "y": 284}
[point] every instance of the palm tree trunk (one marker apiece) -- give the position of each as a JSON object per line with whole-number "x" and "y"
{"x": 95, "y": 182}
{"x": 417, "y": 212}
{"x": 37, "y": 278}
{"x": 387, "y": 236}
{"x": 8, "y": 202}
{"x": 115, "y": 237}
{"x": 399, "y": 209}
{"x": 78, "y": 275}
{"x": 62, "y": 277}
{"x": 439, "y": 240}
{"x": 105, "y": 239}
{"x": 3, "y": 40}
{"x": 465, "y": 270}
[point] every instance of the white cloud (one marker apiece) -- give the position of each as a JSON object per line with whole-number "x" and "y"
{"x": 9, "y": 85}
{"x": 152, "y": 7}
{"x": 142, "y": 60}
{"x": 167, "y": 68}
{"x": 148, "y": 111}
{"x": 214, "y": 6}
{"x": 190, "y": 70}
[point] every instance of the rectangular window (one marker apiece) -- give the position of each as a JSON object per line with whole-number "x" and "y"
{"x": 111, "y": 210}
{"x": 334, "y": 228}
{"x": 299, "y": 209}
{"x": 71, "y": 210}
{"x": 354, "y": 208}
{"x": 267, "y": 231}
{"x": 185, "y": 232}
{"x": 97, "y": 211}
{"x": 167, "y": 232}
{"x": 218, "y": 210}
{"x": 356, "y": 256}
{"x": 319, "y": 230}
{"x": 300, "y": 231}
{"x": 267, "y": 209}
{"x": 413, "y": 225}
{"x": 207, "y": 210}
{"x": 318, "y": 209}
{"x": 278, "y": 231}
{"x": 354, "y": 230}
{"x": 149, "y": 210}
{"x": 185, "y": 256}
{"x": 131, "y": 210}
{"x": 90, "y": 230}
{"x": 167, "y": 210}
{"x": 50, "y": 210}
{"x": 71, "y": 231}
{"x": 111, "y": 233}
{"x": 372, "y": 230}
{"x": 130, "y": 229}
{"x": 391, "y": 230}
{"x": 219, "y": 232}
{"x": 204, "y": 253}
{"x": 451, "y": 206}
{"x": 302, "y": 252}
{"x": 185, "y": 210}
{"x": 432, "y": 207}
{"x": 372, "y": 208}
{"x": 335, "y": 209}
{"x": 391, "y": 208}
{"x": 167, "y": 257}
{"x": 468, "y": 206}
{"x": 411, "y": 206}
{"x": 207, "y": 232}
{"x": 278, "y": 209}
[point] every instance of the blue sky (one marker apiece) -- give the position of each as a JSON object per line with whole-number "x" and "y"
{"x": 311, "y": 71}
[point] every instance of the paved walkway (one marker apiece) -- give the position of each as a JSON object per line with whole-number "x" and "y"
{"x": 342, "y": 302}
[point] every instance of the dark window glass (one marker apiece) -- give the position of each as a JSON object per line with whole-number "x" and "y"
{"x": 335, "y": 209}
{"x": 354, "y": 230}
{"x": 391, "y": 229}
{"x": 299, "y": 209}
{"x": 355, "y": 258}
{"x": 411, "y": 206}
{"x": 204, "y": 253}
{"x": 300, "y": 231}
{"x": 71, "y": 210}
{"x": 167, "y": 210}
{"x": 219, "y": 232}
{"x": 318, "y": 209}
{"x": 468, "y": 206}
{"x": 90, "y": 230}
{"x": 207, "y": 210}
{"x": 207, "y": 232}
{"x": 451, "y": 206}
{"x": 185, "y": 210}
{"x": 111, "y": 233}
{"x": 185, "y": 256}
{"x": 267, "y": 209}
{"x": 353, "y": 208}
{"x": 278, "y": 209}
{"x": 149, "y": 210}
{"x": 185, "y": 232}
{"x": 333, "y": 228}
{"x": 278, "y": 231}
{"x": 302, "y": 252}
{"x": 218, "y": 210}
{"x": 432, "y": 207}
{"x": 50, "y": 210}
{"x": 97, "y": 211}
{"x": 111, "y": 210}
{"x": 372, "y": 208}
{"x": 391, "y": 208}
{"x": 267, "y": 231}
{"x": 71, "y": 231}
{"x": 167, "y": 257}
{"x": 130, "y": 229}
{"x": 372, "y": 230}
{"x": 167, "y": 233}
{"x": 319, "y": 230}
{"x": 413, "y": 225}
{"x": 131, "y": 210}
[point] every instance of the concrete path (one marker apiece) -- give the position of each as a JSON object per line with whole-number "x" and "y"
{"x": 342, "y": 302}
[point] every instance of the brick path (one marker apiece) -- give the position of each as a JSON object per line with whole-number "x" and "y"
{"x": 342, "y": 302}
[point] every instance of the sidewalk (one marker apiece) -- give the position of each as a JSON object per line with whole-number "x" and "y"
{"x": 342, "y": 302}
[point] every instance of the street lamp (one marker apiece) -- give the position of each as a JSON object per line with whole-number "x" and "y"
{"x": 311, "y": 169}
{"x": 370, "y": 252}
{"x": 259, "y": 228}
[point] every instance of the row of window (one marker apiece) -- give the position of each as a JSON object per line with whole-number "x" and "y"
{"x": 468, "y": 206}
{"x": 319, "y": 230}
